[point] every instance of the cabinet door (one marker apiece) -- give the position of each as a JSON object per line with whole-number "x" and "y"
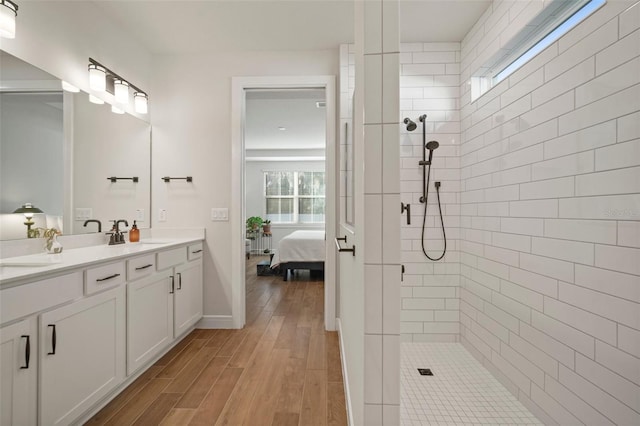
{"x": 150, "y": 313}
{"x": 188, "y": 295}
{"x": 18, "y": 363}
{"x": 82, "y": 355}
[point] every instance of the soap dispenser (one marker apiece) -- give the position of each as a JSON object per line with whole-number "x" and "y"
{"x": 134, "y": 233}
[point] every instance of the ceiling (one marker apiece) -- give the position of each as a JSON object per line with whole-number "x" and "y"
{"x": 284, "y": 119}
{"x": 181, "y": 26}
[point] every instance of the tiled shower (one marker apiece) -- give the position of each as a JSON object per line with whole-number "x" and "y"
{"x": 541, "y": 203}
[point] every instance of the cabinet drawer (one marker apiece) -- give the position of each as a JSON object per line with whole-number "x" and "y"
{"x": 141, "y": 266}
{"x": 104, "y": 277}
{"x": 167, "y": 259}
{"x": 194, "y": 251}
{"x": 20, "y": 301}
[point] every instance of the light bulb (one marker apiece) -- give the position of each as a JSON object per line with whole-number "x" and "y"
{"x": 140, "y": 101}
{"x": 116, "y": 110}
{"x": 121, "y": 91}
{"x": 69, "y": 87}
{"x": 95, "y": 100}
{"x": 97, "y": 78}
{"x": 8, "y": 14}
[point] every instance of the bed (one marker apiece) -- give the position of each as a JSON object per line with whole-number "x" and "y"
{"x": 300, "y": 250}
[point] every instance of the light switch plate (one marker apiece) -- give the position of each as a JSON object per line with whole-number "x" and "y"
{"x": 140, "y": 215}
{"x": 162, "y": 215}
{"x": 83, "y": 213}
{"x": 220, "y": 214}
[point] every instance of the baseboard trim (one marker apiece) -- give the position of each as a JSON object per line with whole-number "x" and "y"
{"x": 345, "y": 376}
{"x": 215, "y": 321}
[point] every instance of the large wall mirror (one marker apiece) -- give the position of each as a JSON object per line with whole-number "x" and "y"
{"x": 57, "y": 151}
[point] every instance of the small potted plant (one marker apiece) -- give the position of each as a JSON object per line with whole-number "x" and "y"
{"x": 266, "y": 226}
{"x": 253, "y": 223}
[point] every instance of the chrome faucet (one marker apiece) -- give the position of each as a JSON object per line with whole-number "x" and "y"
{"x": 94, "y": 221}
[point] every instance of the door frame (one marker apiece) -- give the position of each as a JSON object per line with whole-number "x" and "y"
{"x": 239, "y": 85}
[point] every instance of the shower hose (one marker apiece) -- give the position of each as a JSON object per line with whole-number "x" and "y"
{"x": 424, "y": 217}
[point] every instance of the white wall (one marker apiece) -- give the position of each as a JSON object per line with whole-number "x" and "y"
{"x": 192, "y": 136}
{"x": 550, "y": 217}
{"x": 430, "y": 84}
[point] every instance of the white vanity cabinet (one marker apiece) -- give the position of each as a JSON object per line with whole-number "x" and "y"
{"x": 82, "y": 355}
{"x": 149, "y": 318}
{"x": 18, "y": 369}
{"x": 186, "y": 285}
{"x": 187, "y": 300}
{"x": 71, "y": 339}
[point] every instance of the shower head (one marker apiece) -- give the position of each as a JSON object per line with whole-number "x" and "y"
{"x": 411, "y": 126}
{"x": 431, "y": 145}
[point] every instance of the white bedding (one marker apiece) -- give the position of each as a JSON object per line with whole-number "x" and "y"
{"x": 300, "y": 246}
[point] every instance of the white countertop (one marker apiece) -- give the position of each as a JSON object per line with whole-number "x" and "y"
{"x": 40, "y": 266}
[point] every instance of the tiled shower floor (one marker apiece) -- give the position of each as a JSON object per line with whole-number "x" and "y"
{"x": 461, "y": 391}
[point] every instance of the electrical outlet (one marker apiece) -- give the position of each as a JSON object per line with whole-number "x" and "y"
{"x": 162, "y": 215}
{"x": 83, "y": 213}
{"x": 140, "y": 215}
{"x": 219, "y": 215}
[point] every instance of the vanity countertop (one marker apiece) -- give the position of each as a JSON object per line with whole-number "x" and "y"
{"x": 40, "y": 266}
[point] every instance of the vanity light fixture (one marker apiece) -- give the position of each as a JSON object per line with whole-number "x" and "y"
{"x": 8, "y": 14}
{"x": 28, "y": 210}
{"x": 97, "y": 78}
{"x": 140, "y": 102}
{"x": 119, "y": 87}
{"x": 95, "y": 100}
{"x": 121, "y": 91}
{"x": 69, "y": 87}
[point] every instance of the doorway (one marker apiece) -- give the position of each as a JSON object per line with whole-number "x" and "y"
{"x": 276, "y": 177}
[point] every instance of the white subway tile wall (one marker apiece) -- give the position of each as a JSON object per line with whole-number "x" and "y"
{"x": 430, "y": 84}
{"x": 549, "y": 216}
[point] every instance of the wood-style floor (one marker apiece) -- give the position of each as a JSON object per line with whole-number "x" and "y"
{"x": 281, "y": 369}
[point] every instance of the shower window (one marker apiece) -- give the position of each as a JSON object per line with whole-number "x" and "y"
{"x": 554, "y": 21}
{"x": 294, "y": 196}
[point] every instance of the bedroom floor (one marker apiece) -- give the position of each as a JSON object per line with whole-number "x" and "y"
{"x": 281, "y": 369}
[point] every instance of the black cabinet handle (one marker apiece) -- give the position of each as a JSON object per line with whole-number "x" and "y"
{"x": 197, "y": 251}
{"x": 27, "y": 353}
{"x": 144, "y": 267}
{"x": 179, "y": 281}
{"x": 108, "y": 278}
{"x": 172, "y": 285}
{"x": 53, "y": 340}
